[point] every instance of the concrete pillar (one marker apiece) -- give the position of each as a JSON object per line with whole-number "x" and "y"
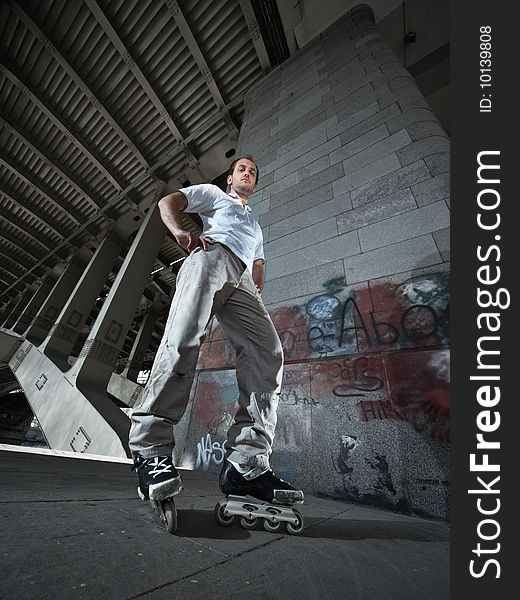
{"x": 353, "y": 201}
{"x": 84, "y": 420}
{"x": 19, "y": 307}
{"x": 137, "y": 354}
{"x": 55, "y": 302}
{"x": 73, "y": 317}
{"x": 98, "y": 357}
{"x": 32, "y": 308}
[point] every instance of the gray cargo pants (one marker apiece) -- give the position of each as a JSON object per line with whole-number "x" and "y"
{"x": 213, "y": 282}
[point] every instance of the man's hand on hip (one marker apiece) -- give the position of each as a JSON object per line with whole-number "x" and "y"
{"x": 189, "y": 241}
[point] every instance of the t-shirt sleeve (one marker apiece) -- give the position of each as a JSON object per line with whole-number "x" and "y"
{"x": 201, "y": 197}
{"x": 259, "y": 250}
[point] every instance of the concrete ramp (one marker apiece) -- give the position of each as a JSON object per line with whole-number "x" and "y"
{"x": 71, "y": 391}
{"x": 68, "y": 419}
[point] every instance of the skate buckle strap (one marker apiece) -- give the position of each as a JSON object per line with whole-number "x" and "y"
{"x": 288, "y": 496}
{"x": 253, "y": 473}
{"x": 160, "y": 466}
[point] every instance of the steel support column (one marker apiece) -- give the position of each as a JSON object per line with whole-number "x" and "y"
{"x": 53, "y": 305}
{"x": 19, "y": 308}
{"x": 6, "y": 313}
{"x": 98, "y": 358}
{"x": 137, "y": 354}
{"x": 64, "y": 333}
{"x": 30, "y": 312}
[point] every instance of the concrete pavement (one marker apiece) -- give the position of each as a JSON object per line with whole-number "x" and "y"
{"x": 76, "y": 529}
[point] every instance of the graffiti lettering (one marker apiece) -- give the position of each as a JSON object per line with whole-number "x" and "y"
{"x": 385, "y": 332}
{"x": 331, "y": 328}
{"x": 361, "y": 326}
{"x": 377, "y": 410}
{"x": 291, "y": 398}
{"x": 356, "y": 376}
{"x": 208, "y": 451}
{"x": 322, "y": 338}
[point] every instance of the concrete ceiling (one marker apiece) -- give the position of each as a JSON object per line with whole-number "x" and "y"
{"x": 103, "y": 102}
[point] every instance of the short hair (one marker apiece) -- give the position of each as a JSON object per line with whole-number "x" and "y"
{"x": 247, "y": 157}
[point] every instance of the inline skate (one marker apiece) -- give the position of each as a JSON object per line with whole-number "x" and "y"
{"x": 159, "y": 482}
{"x": 258, "y": 496}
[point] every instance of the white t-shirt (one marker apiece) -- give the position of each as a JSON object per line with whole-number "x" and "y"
{"x": 226, "y": 220}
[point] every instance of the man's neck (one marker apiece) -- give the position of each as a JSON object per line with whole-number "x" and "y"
{"x": 242, "y": 197}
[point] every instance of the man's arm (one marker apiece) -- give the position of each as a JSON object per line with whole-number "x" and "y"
{"x": 170, "y": 207}
{"x": 258, "y": 274}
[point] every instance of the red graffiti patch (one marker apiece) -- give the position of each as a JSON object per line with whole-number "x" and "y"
{"x": 419, "y": 388}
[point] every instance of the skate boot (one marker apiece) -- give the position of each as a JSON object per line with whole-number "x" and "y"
{"x": 159, "y": 482}
{"x": 258, "y": 495}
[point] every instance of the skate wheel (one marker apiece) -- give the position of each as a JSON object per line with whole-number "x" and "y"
{"x": 248, "y": 523}
{"x": 272, "y": 527}
{"x": 169, "y": 515}
{"x": 295, "y": 529}
{"x": 223, "y": 519}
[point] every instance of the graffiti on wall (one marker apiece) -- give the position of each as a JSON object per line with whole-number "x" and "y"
{"x": 364, "y": 473}
{"x": 419, "y": 384}
{"x": 372, "y": 318}
{"x": 348, "y": 443}
{"x": 372, "y": 358}
{"x": 215, "y": 402}
{"x": 346, "y": 321}
{"x": 209, "y": 451}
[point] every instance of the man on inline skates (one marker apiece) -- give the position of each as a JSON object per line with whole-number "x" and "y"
{"x": 223, "y": 275}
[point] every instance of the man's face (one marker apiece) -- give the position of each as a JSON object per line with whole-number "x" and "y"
{"x": 243, "y": 178}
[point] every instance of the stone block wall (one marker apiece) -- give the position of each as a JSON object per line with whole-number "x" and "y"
{"x": 353, "y": 201}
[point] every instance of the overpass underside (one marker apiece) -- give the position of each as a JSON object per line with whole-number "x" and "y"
{"x": 353, "y": 201}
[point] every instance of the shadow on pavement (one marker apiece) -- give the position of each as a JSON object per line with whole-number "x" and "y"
{"x": 201, "y": 524}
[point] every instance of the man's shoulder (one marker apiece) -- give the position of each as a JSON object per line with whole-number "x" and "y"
{"x": 201, "y": 187}
{"x": 205, "y": 196}
{"x": 210, "y": 190}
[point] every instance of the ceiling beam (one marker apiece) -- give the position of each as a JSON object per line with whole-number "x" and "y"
{"x": 10, "y": 71}
{"x": 49, "y": 161}
{"x": 48, "y": 223}
{"x": 17, "y": 279}
{"x": 30, "y": 180}
{"x": 189, "y": 38}
{"x": 71, "y": 72}
{"x": 68, "y": 240}
{"x": 69, "y": 69}
{"x": 9, "y": 254}
{"x": 141, "y": 78}
{"x": 254, "y": 32}
{"x": 208, "y": 124}
{"x": 24, "y": 232}
{"x": 9, "y": 267}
